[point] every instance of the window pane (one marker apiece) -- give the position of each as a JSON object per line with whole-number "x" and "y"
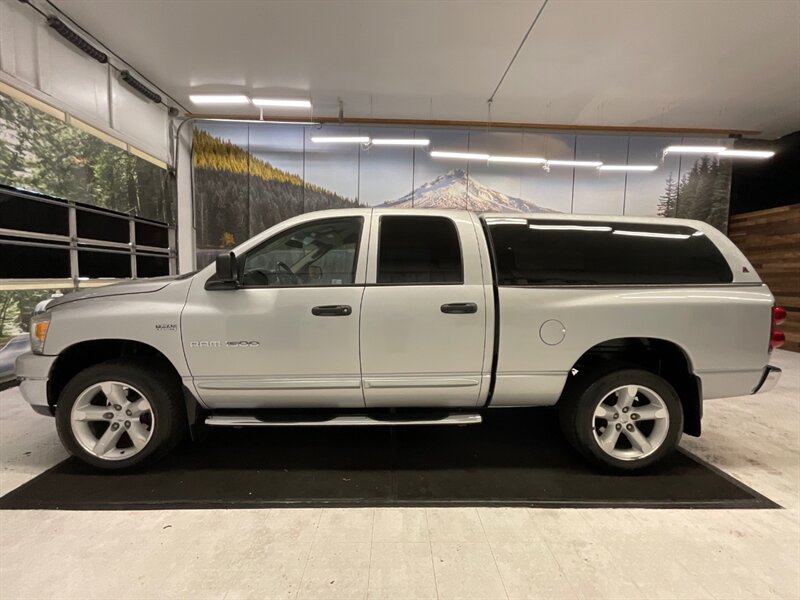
{"x": 33, "y": 262}
{"x": 151, "y": 235}
{"x": 27, "y": 214}
{"x": 151, "y": 266}
{"x": 419, "y": 250}
{"x": 592, "y": 252}
{"x": 97, "y": 226}
{"x": 315, "y": 254}
{"x": 103, "y": 264}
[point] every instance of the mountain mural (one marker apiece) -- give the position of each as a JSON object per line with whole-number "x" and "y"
{"x": 457, "y": 190}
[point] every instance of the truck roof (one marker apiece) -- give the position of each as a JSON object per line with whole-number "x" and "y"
{"x": 654, "y": 220}
{"x": 554, "y": 216}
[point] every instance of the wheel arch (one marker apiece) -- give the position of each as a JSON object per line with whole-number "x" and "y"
{"x": 657, "y": 355}
{"x": 84, "y": 354}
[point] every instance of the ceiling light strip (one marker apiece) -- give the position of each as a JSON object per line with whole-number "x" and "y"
{"x": 459, "y": 155}
{"x": 529, "y": 160}
{"x": 627, "y": 167}
{"x": 693, "y": 149}
{"x": 219, "y": 99}
{"x": 747, "y": 154}
{"x": 573, "y": 163}
{"x": 400, "y": 142}
{"x": 340, "y": 140}
{"x": 282, "y": 102}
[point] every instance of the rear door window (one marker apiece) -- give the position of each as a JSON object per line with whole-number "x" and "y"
{"x": 553, "y": 252}
{"x": 419, "y": 250}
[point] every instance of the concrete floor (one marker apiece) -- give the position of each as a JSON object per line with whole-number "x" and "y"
{"x": 423, "y": 553}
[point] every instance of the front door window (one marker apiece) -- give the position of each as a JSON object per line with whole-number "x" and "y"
{"x": 316, "y": 254}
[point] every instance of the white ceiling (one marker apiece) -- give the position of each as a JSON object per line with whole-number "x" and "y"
{"x": 714, "y": 64}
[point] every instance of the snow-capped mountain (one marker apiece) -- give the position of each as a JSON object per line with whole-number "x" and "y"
{"x": 452, "y": 190}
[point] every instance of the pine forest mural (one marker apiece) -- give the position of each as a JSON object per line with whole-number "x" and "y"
{"x": 41, "y": 153}
{"x": 238, "y": 195}
{"x": 702, "y": 193}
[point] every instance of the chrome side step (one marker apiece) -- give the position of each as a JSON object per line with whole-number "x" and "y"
{"x": 341, "y": 420}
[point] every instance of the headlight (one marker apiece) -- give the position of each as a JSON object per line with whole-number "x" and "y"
{"x": 39, "y": 326}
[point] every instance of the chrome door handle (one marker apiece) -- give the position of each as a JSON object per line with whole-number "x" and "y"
{"x": 460, "y": 308}
{"x": 332, "y": 310}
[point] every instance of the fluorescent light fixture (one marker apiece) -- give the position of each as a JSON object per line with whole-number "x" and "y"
{"x": 355, "y": 139}
{"x": 219, "y": 99}
{"x": 261, "y": 121}
{"x": 747, "y": 153}
{"x": 573, "y": 163}
{"x": 627, "y": 167}
{"x": 528, "y": 160}
{"x": 671, "y": 236}
{"x": 461, "y": 155}
{"x": 282, "y": 102}
{"x": 693, "y": 149}
{"x": 571, "y": 227}
{"x": 400, "y": 142}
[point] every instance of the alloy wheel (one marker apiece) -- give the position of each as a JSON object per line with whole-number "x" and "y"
{"x": 631, "y": 422}
{"x": 112, "y": 420}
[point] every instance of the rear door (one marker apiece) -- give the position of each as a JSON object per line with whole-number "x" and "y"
{"x": 423, "y": 316}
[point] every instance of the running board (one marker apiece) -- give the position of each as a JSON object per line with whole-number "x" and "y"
{"x": 341, "y": 420}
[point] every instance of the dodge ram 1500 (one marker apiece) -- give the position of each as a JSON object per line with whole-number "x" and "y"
{"x": 414, "y": 317}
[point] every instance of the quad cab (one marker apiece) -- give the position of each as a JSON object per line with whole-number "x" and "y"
{"x": 414, "y": 317}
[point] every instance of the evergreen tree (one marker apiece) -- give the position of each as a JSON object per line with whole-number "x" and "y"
{"x": 668, "y": 200}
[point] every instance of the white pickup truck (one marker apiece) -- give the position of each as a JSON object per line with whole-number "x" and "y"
{"x": 414, "y": 317}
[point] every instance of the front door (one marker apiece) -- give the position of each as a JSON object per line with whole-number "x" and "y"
{"x": 288, "y": 336}
{"x": 423, "y": 318}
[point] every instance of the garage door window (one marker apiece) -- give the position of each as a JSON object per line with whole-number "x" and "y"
{"x": 419, "y": 251}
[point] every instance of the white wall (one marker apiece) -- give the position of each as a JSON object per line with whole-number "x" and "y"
{"x": 38, "y": 61}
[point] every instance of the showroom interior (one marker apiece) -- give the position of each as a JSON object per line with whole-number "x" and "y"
{"x": 152, "y": 153}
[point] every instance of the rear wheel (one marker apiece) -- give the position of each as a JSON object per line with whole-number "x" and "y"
{"x": 118, "y": 415}
{"x": 627, "y": 419}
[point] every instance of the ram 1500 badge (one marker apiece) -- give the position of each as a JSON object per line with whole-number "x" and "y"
{"x": 351, "y": 316}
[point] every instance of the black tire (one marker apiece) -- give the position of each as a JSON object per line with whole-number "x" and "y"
{"x": 157, "y": 384}
{"x": 576, "y": 414}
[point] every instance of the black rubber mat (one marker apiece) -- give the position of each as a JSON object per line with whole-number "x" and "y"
{"x": 516, "y": 458}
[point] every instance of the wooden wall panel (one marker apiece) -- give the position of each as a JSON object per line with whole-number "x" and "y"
{"x": 771, "y": 241}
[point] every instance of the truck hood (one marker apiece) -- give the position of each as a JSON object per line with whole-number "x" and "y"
{"x": 140, "y": 286}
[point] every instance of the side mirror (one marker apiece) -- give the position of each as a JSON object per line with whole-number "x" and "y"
{"x": 227, "y": 270}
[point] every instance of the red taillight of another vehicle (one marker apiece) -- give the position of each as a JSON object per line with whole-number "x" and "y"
{"x": 776, "y": 337}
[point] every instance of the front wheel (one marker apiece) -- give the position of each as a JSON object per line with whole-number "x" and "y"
{"x": 626, "y": 420}
{"x": 119, "y": 415}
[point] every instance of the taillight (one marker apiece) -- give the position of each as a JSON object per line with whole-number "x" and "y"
{"x": 776, "y": 337}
